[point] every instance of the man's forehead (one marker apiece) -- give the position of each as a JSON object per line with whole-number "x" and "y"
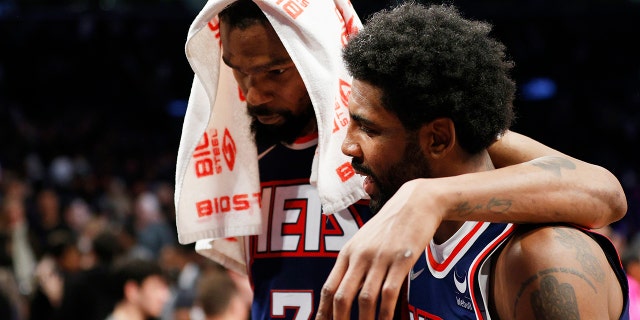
{"x": 257, "y": 44}
{"x": 365, "y": 94}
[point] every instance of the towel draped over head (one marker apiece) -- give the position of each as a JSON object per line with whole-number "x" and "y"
{"x": 217, "y": 194}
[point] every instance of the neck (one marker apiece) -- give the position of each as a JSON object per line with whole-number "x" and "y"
{"x": 127, "y": 311}
{"x": 446, "y": 230}
{"x": 469, "y": 164}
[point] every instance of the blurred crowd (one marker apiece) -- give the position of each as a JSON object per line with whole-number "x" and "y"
{"x": 91, "y": 105}
{"x": 58, "y": 247}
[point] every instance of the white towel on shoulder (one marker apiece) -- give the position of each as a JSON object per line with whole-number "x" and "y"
{"x": 217, "y": 194}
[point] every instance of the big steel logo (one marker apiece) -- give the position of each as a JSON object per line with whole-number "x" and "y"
{"x": 229, "y": 149}
{"x": 211, "y": 150}
{"x": 209, "y": 155}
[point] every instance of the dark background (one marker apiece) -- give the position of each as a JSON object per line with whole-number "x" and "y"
{"x": 107, "y": 82}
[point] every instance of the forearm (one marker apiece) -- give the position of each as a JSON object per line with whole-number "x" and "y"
{"x": 563, "y": 189}
{"x": 547, "y": 189}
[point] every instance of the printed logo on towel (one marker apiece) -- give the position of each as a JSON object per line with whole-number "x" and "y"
{"x": 224, "y": 204}
{"x": 348, "y": 27}
{"x": 214, "y": 26}
{"x": 293, "y": 8}
{"x": 345, "y": 171}
{"x": 209, "y": 152}
{"x": 295, "y": 225}
{"x": 341, "y": 109}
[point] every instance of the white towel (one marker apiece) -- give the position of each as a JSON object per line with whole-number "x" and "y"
{"x": 217, "y": 179}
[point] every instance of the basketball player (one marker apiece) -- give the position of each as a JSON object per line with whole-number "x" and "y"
{"x": 431, "y": 92}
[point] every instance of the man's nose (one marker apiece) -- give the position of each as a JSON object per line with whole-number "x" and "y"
{"x": 257, "y": 93}
{"x": 349, "y": 146}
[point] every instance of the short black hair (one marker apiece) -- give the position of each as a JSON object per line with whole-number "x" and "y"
{"x": 431, "y": 62}
{"x": 107, "y": 247}
{"x": 242, "y": 14}
{"x": 133, "y": 269}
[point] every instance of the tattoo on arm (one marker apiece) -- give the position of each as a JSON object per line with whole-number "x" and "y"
{"x": 583, "y": 252}
{"x": 494, "y": 205}
{"x": 552, "y": 299}
{"x": 554, "y": 164}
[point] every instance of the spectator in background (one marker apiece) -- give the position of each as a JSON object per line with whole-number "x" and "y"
{"x": 13, "y": 304}
{"x": 60, "y": 263}
{"x": 87, "y": 294}
{"x": 116, "y": 202}
{"x": 141, "y": 290}
{"x": 152, "y": 229}
{"x": 63, "y": 246}
{"x": 218, "y": 298}
{"x": 47, "y": 296}
{"x": 47, "y": 215}
{"x": 21, "y": 246}
{"x": 182, "y": 265}
{"x": 631, "y": 264}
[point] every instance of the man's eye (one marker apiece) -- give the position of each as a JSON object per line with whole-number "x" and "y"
{"x": 277, "y": 71}
{"x": 365, "y": 130}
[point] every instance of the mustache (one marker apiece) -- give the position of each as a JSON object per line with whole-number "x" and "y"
{"x": 260, "y": 110}
{"x": 360, "y": 168}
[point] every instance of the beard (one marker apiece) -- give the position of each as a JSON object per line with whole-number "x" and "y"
{"x": 287, "y": 132}
{"x": 412, "y": 165}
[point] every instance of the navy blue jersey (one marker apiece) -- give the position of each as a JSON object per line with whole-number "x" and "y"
{"x": 292, "y": 257}
{"x": 442, "y": 290}
{"x": 456, "y": 288}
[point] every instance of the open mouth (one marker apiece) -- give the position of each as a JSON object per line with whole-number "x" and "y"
{"x": 369, "y": 184}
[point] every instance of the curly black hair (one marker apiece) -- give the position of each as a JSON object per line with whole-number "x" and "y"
{"x": 430, "y": 62}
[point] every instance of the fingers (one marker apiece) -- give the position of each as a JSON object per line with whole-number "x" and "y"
{"x": 325, "y": 308}
{"x": 342, "y": 286}
{"x": 391, "y": 288}
{"x": 371, "y": 280}
{"x": 368, "y": 297}
{"x": 348, "y": 289}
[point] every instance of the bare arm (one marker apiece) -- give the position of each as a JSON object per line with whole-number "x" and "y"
{"x": 548, "y": 187}
{"x": 572, "y": 190}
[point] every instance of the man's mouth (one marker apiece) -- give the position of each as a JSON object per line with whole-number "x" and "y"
{"x": 369, "y": 185}
{"x": 269, "y": 119}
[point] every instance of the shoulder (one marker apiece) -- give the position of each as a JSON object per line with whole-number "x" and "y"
{"x": 553, "y": 266}
{"x": 546, "y": 242}
{"x": 537, "y": 249}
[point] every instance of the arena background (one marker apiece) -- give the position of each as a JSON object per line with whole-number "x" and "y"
{"x": 103, "y": 85}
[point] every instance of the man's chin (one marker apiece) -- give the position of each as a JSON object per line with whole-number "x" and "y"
{"x": 271, "y": 134}
{"x": 375, "y": 205}
{"x": 288, "y": 129}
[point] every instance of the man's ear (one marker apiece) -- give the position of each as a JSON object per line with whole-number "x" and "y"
{"x": 130, "y": 290}
{"x": 438, "y": 137}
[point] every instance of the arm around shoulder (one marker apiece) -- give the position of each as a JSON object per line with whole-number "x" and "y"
{"x": 574, "y": 190}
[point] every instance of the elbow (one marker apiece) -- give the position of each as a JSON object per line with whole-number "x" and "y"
{"x": 615, "y": 199}
{"x": 619, "y": 209}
